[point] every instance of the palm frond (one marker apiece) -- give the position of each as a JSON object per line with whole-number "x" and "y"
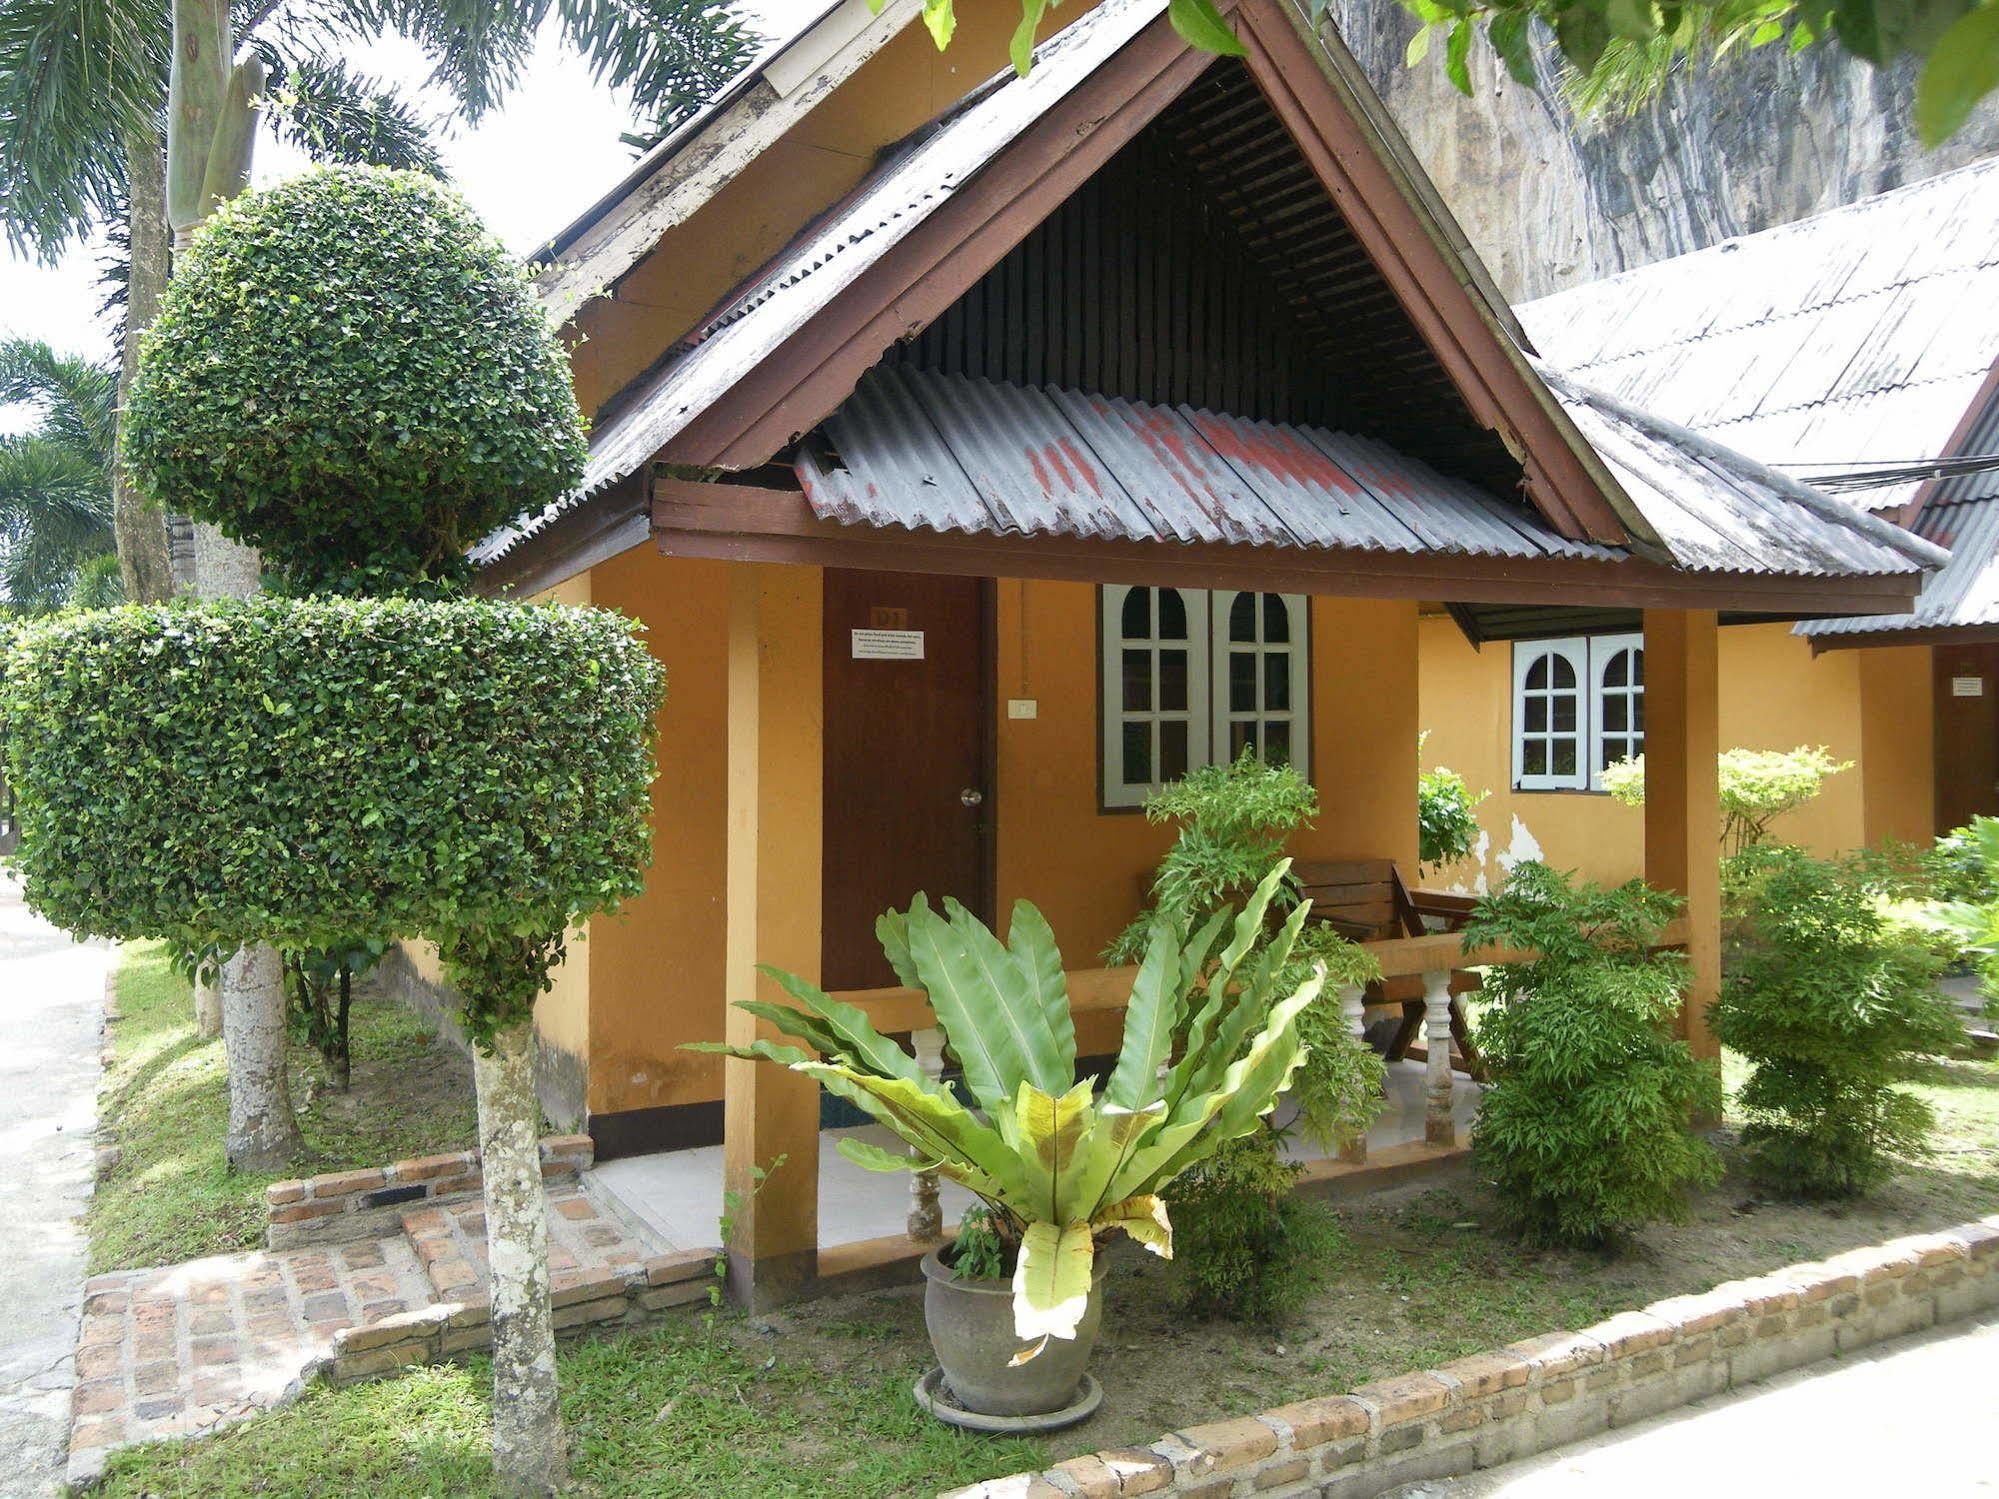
{"x": 668, "y": 55}
{"x": 78, "y": 79}
{"x": 78, "y": 400}
{"x": 55, "y": 514}
{"x": 336, "y": 115}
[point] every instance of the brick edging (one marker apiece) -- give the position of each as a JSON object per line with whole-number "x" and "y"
{"x": 448, "y": 1329}
{"x": 351, "y": 1204}
{"x": 1507, "y": 1403}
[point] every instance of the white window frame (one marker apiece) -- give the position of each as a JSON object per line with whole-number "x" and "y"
{"x": 1294, "y": 652}
{"x": 1603, "y": 650}
{"x": 1575, "y": 651}
{"x": 1587, "y": 656}
{"x": 1110, "y": 672}
{"x": 1208, "y": 716}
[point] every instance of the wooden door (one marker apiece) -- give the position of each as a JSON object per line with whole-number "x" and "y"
{"x": 1967, "y": 733}
{"x": 909, "y": 796}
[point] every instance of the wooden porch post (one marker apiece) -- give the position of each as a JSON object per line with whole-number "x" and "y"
{"x": 770, "y": 1115}
{"x": 1682, "y": 798}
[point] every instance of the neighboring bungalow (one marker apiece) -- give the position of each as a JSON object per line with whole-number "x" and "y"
{"x": 981, "y": 454}
{"x": 1857, "y": 350}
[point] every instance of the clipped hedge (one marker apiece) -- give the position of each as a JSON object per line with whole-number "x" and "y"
{"x": 302, "y": 771}
{"x": 349, "y": 372}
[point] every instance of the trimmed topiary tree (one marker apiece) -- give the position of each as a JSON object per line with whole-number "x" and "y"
{"x": 351, "y": 374}
{"x": 295, "y": 771}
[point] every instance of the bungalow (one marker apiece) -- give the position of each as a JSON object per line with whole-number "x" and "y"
{"x": 983, "y": 451}
{"x": 1854, "y": 350}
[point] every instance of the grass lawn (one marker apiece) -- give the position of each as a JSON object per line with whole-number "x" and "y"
{"x": 165, "y": 1104}
{"x": 815, "y": 1400}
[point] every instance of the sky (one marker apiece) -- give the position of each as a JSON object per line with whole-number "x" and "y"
{"x": 528, "y": 168}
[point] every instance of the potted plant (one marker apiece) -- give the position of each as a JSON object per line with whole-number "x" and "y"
{"x": 1060, "y": 1164}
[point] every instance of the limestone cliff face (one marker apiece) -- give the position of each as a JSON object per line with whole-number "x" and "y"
{"x": 1551, "y": 201}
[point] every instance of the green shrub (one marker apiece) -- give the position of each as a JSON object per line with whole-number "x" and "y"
{"x": 1830, "y": 1003}
{"x": 1963, "y": 864}
{"x": 1446, "y": 815}
{"x": 1583, "y": 1125}
{"x": 303, "y": 772}
{"x": 1756, "y": 788}
{"x": 349, "y": 372}
{"x": 1234, "y": 821}
{"x": 1249, "y": 1248}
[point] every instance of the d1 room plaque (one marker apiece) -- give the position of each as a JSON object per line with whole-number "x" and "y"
{"x": 888, "y": 645}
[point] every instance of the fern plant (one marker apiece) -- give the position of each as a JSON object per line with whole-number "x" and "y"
{"x": 1234, "y": 821}
{"x": 1583, "y": 1127}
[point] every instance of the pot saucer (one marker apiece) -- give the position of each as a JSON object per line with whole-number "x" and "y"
{"x": 935, "y": 1396}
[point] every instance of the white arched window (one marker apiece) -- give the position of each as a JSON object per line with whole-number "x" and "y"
{"x": 1259, "y": 646}
{"x": 1191, "y": 678}
{"x": 1617, "y": 727}
{"x": 1578, "y": 706}
{"x": 1155, "y": 681}
{"x": 1548, "y": 735}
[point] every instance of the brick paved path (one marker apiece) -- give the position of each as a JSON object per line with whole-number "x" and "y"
{"x": 181, "y": 1351}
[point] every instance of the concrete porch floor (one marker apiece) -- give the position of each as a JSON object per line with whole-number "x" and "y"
{"x": 677, "y": 1195}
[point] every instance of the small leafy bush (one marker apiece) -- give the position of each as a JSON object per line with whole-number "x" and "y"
{"x": 1963, "y": 864}
{"x": 1250, "y": 1248}
{"x": 1756, "y": 787}
{"x": 303, "y": 772}
{"x": 349, "y": 372}
{"x": 1234, "y": 821}
{"x": 1583, "y": 1128}
{"x": 1830, "y": 1003}
{"x": 1446, "y": 815}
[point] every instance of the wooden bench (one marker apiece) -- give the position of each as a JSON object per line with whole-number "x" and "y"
{"x": 1367, "y": 900}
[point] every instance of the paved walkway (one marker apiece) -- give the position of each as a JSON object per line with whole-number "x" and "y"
{"x": 185, "y": 1350}
{"x": 51, "y": 1027}
{"x": 1916, "y": 1416}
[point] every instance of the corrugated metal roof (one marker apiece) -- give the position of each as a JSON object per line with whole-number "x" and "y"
{"x": 946, "y": 452}
{"x": 847, "y": 241}
{"x": 1965, "y": 592}
{"x": 1858, "y": 336}
{"x": 1718, "y": 511}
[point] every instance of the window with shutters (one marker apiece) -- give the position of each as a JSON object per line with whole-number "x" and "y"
{"x": 1191, "y": 677}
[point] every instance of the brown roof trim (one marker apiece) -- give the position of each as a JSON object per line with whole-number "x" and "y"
{"x": 1367, "y": 175}
{"x": 1988, "y": 392}
{"x": 734, "y": 522}
{"x": 795, "y": 388}
{"x": 1911, "y": 635}
{"x": 604, "y": 526}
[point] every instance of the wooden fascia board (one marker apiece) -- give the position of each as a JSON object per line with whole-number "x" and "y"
{"x": 623, "y": 232}
{"x": 1988, "y": 392}
{"x": 1431, "y": 277}
{"x": 734, "y": 522}
{"x": 603, "y": 526}
{"x": 802, "y": 382}
{"x": 1913, "y": 635}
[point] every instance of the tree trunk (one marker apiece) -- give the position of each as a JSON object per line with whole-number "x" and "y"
{"x": 208, "y": 1008}
{"x": 528, "y": 1453}
{"x": 263, "y": 1132}
{"x": 144, "y": 560}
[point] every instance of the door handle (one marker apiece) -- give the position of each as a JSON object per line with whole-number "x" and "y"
{"x": 971, "y": 796}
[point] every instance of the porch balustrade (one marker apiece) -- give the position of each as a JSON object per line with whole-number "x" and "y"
{"x": 1104, "y": 990}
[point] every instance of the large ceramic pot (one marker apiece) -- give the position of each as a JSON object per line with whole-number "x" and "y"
{"x": 971, "y": 1327}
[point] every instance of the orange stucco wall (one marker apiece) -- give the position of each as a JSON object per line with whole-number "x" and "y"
{"x": 1870, "y": 707}
{"x": 656, "y": 968}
